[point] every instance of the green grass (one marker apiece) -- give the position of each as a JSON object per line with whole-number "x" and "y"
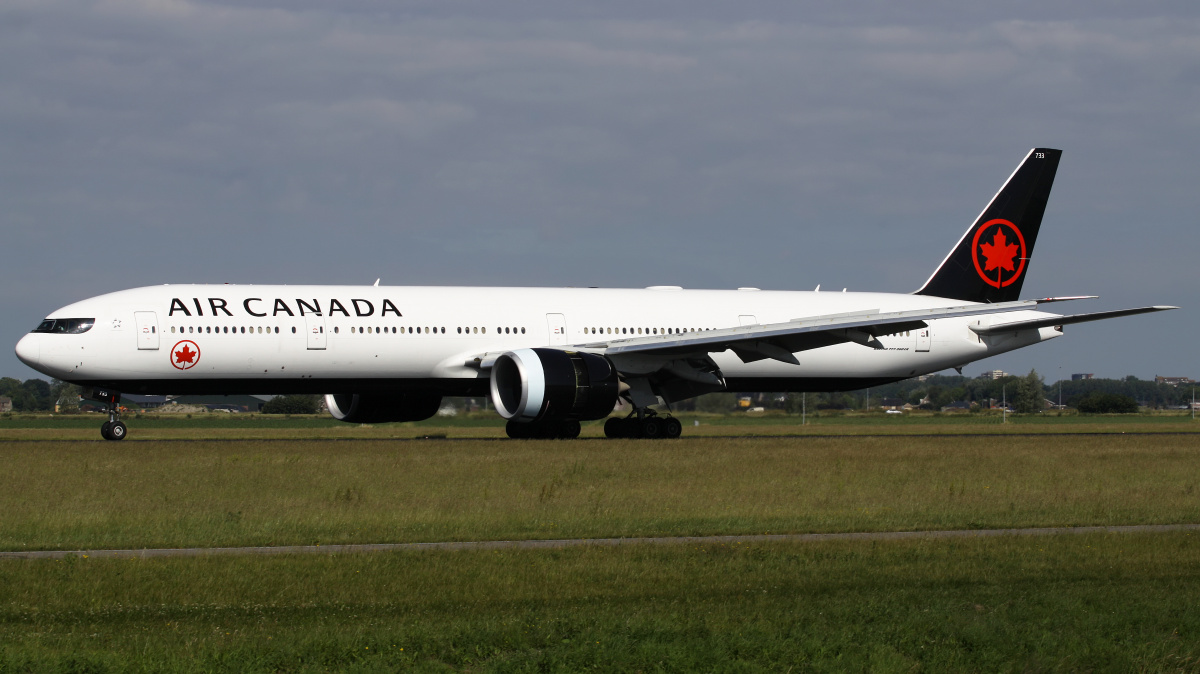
{"x": 1095, "y": 602}
{"x": 74, "y": 495}
{"x": 1123, "y": 602}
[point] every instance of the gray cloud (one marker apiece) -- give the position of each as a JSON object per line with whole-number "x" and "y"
{"x": 538, "y": 144}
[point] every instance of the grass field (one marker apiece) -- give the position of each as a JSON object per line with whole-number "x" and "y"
{"x": 1079, "y": 603}
{"x": 1104, "y": 602}
{"x": 73, "y": 495}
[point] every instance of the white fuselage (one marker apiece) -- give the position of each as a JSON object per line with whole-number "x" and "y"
{"x": 327, "y": 339}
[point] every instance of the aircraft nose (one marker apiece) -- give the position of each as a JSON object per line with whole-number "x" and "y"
{"x": 29, "y": 350}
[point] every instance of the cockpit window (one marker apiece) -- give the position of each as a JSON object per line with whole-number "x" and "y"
{"x": 66, "y": 326}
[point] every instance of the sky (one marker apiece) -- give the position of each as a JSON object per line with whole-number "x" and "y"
{"x": 777, "y": 145}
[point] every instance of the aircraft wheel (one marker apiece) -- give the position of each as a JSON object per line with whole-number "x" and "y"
{"x": 104, "y": 428}
{"x": 652, "y": 427}
{"x": 545, "y": 429}
{"x": 672, "y": 427}
{"x": 117, "y": 431}
{"x": 569, "y": 429}
{"x": 518, "y": 431}
{"x": 614, "y": 428}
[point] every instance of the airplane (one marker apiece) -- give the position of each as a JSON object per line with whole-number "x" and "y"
{"x": 549, "y": 358}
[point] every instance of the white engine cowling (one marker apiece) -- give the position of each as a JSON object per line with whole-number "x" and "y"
{"x": 534, "y": 384}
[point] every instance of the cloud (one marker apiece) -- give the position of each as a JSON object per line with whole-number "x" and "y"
{"x": 625, "y": 144}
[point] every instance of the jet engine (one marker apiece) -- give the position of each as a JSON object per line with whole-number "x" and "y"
{"x": 381, "y": 408}
{"x": 529, "y": 385}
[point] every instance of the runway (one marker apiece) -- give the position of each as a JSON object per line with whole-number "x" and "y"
{"x": 584, "y": 542}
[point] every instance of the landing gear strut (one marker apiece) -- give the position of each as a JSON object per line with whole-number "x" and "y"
{"x": 643, "y": 423}
{"x": 114, "y": 428}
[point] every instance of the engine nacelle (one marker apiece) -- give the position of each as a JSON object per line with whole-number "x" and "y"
{"x": 377, "y": 409}
{"x": 535, "y": 384}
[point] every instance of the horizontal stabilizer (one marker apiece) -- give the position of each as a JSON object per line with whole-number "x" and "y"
{"x": 1063, "y": 320}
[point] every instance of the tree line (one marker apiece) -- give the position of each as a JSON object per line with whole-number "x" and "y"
{"x": 1023, "y": 393}
{"x": 1026, "y": 393}
{"x": 39, "y": 395}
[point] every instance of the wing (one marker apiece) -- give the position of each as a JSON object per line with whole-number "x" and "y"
{"x": 1000, "y": 328}
{"x": 780, "y": 341}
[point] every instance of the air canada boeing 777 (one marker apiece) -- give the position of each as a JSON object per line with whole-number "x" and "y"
{"x": 551, "y": 357}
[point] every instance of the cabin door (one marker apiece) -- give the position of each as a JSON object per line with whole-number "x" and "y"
{"x": 147, "y": 329}
{"x": 923, "y": 339}
{"x": 315, "y": 326}
{"x": 557, "y": 324}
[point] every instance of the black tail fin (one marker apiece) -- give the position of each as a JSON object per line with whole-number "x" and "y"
{"x": 990, "y": 261}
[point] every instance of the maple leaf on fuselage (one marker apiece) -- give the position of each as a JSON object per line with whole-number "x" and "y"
{"x": 999, "y": 253}
{"x": 185, "y": 356}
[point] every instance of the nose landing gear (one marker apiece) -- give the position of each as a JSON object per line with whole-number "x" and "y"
{"x": 114, "y": 428}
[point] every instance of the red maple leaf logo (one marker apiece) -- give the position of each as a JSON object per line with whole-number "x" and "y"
{"x": 186, "y": 355}
{"x": 999, "y": 253}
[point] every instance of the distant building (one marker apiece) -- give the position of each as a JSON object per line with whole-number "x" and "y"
{"x": 994, "y": 374}
{"x": 145, "y": 402}
{"x": 1082, "y": 375}
{"x": 891, "y": 403}
{"x": 5, "y": 404}
{"x": 1173, "y": 381}
{"x": 957, "y": 406}
{"x": 242, "y": 403}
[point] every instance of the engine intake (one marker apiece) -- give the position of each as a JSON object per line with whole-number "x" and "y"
{"x": 535, "y": 384}
{"x": 377, "y": 409}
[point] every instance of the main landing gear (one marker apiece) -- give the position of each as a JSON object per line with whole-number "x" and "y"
{"x": 545, "y": 429}
{"x": 114, "y": 428}
{"x": 643, "y": 423}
